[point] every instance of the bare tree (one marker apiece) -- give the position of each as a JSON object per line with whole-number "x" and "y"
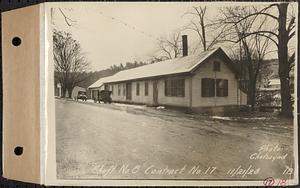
{"x": 169, "y": 47}
{"x": 67, "y": 19}
{"x": 69, "y": 61}
{"x": 280, "y": 35}
{"x": 252, "y": 50}
{"x": 201, "y": 25}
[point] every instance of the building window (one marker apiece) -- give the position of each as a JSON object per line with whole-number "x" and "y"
{"x": 124, "y": 89}
{"x": 214, "y": 87}
{"x": 174, "y": 87}
{"x": 146, "y": 88}
{"x": 137, "y": 89}
{"x": 222, "y": 87}
{"x": 106, "y": 87}
{"x": 217, "y": 66}
{"x": 208, "y": 87}
{"x": 119, "y": 89}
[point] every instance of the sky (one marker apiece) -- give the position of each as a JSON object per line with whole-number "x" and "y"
{"x": 114, "y": 33}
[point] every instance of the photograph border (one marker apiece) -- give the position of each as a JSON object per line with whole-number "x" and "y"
{"x": 49, "y": 136}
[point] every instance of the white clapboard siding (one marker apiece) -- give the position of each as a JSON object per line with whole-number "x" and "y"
{"x": 206, "y": 71}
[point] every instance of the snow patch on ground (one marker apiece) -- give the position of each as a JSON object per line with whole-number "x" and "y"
{"x": 160, "y": 107}
{"x": 90, "y": 101}
{"x": 258, "y": 118}
{"x": 222, "y": 118}
{"x": 130, "y": 105}
{"x": 235, "y": 118}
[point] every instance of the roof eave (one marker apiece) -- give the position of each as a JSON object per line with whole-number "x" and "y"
{"x": 152, "y": 77}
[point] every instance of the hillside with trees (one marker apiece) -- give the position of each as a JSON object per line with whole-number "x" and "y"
{"x": 93, "y": 76}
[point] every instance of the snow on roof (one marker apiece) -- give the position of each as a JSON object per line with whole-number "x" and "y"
{"x": 183, "y": 64}
{"x": 99, "y": 82}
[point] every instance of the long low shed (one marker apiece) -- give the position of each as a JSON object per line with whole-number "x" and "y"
{"x": 208, "y": 79}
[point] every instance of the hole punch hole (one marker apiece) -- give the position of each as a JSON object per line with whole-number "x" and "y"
{"x": 16, "y": 41}
{"x": 18, "y": 150}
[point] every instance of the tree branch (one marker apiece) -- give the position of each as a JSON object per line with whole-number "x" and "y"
{"x": 291, "y": 35}
{"x": 257, "y": 32}
{"x": 67, "y": 19}
{"x": 260, "y": 12}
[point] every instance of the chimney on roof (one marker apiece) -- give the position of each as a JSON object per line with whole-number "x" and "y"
{"x": 184, "y": 45}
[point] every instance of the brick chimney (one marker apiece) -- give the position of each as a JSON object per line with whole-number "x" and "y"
{"x": 184, "y": 45}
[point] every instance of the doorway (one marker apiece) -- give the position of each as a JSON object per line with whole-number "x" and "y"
{"x": 128, "y": 91}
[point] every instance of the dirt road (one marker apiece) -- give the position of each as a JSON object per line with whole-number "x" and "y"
{"x": 101, "y": 141}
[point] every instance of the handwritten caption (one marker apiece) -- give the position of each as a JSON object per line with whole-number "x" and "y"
{"x": 267, "y": 153}
{"x": 270, "y": 152}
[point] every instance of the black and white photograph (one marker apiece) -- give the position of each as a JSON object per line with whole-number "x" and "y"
{"x": 186, "y": 91}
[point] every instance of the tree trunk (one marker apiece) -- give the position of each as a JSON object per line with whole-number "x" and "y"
{"x": 252, "y": 79}
{"x": 63, "y": 91}
{"x": 283, "y": 38}
{"x": 70, "y": 89}
{"x": 203, "y": 33}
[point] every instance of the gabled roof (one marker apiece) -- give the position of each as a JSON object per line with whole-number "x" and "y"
{"x": 185, "y": 64}
{"x": 99, "y": 82}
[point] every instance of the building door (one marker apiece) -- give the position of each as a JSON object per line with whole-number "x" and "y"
{"x": 95, "y": 94}
{"x": 155, "y": 93}
{"x": 128, "y": 91}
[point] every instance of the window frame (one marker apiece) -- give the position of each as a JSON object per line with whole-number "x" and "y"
{"x": 146, "y": 88}
{"x": 175, "y": 87}
{"x": 206, "y": 90}
{"x": 221, "y": 91}
{"x": 119, "y": 89}
{"x": 124, "y": 89}
{"x": 137, "y": 89}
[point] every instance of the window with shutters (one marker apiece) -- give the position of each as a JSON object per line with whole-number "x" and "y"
{"x": 146, "y": 88}
{"x": 207, "y": 87}
{"x": 222, "y": 87}
{"x": 175, "y": 87}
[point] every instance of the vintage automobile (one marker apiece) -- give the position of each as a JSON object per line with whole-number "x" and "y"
{"x": 81, "y": 95}
{"x": 103, "y": 96}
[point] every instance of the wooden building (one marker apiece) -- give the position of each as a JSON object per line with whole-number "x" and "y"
{"x": 208, "y": 79}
